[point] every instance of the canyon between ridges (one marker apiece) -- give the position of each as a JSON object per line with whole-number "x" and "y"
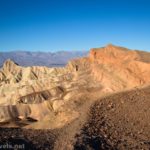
{"x": 101, "y": 101}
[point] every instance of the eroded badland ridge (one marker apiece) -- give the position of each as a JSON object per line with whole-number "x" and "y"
{"x": 60, "y": 99}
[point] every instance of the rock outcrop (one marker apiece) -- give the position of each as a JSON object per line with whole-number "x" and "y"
{"x": 118, "y": 67}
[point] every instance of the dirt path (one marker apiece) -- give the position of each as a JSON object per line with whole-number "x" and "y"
{"x": 67, "y": 135}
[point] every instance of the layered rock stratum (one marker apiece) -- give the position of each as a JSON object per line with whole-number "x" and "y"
{"x": 61, "y": 98}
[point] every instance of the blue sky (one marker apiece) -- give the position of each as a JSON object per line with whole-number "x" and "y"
{"x": 54, "y": 25}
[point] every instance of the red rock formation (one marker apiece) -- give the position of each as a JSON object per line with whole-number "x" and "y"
{"x": 119, "y": 67}
{"x": 112, "y": 53}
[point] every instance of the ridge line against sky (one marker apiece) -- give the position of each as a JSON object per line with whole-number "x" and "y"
{"x": 56, "y": 25}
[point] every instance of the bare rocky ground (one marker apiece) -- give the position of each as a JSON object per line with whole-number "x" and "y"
{"x": 119, "y": 121}
{"x": 27, "y": 138}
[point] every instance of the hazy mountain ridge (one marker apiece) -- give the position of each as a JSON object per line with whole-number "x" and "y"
{"x": 49, "y": 59}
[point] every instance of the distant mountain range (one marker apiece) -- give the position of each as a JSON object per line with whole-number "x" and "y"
{"x": 50, "y": 59}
